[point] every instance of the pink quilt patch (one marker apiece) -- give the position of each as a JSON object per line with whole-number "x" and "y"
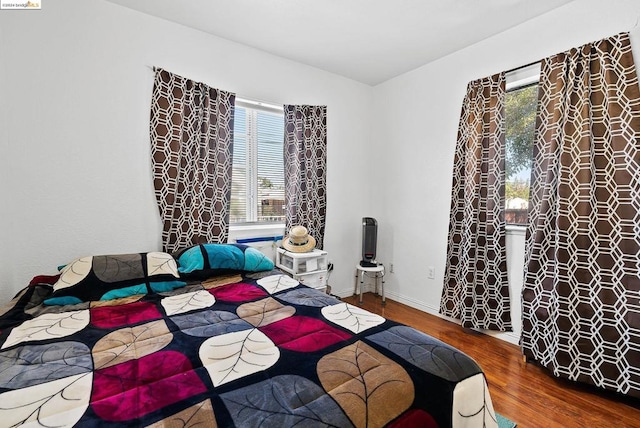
{"x": 239, "y": 292}
{"x": 124, "y": 315}
{"x": 133, "y": 389}
{"x": 414, "y": 418}
{"x": 303, "y": 334}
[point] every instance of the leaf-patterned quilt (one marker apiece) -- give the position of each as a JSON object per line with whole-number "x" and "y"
{"x": 251, "y": 350}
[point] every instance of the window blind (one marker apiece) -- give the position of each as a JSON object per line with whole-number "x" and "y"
{"x": 258, "y": 164}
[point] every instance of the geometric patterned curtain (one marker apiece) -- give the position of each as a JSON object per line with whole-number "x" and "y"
{"x": 581, "y": 297}
{"x": 191, "y": 132}
{"x": 305, "y": 168}
{"x": 476, "y": 288}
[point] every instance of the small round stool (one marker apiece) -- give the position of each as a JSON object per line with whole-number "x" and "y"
{"x": 379, "y": 273}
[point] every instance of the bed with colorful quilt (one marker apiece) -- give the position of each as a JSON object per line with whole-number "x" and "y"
{"x": 216, "y": 337}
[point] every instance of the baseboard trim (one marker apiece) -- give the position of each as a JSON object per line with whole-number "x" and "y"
{"x": 432, "y": 310}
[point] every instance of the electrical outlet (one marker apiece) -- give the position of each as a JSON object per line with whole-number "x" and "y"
{"x": 391, "y": 267}
{"x": 431, "y": 272}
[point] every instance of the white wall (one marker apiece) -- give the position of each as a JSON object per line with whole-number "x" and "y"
{"x": 415, "y": 126}
{"x": 76, "y": 83}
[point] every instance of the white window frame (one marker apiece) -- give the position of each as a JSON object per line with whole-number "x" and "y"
{"x": 251, "y": 173}
{"x": 521, "y": 77}
{"x": 516, "y": 79}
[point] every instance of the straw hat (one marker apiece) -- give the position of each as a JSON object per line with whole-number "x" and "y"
{"x": 299, "y": 240}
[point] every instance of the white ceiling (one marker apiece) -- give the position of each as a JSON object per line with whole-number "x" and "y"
{"x": 366, "y": 40}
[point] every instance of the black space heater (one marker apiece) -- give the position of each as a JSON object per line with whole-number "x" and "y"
{"x": 369, "y": 241}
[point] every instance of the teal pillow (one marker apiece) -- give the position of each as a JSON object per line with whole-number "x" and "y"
{"x": 204, "y": 260}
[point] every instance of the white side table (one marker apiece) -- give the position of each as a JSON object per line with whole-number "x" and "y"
{"x": 309, "y": 268}
{"x": 378, "y": 272}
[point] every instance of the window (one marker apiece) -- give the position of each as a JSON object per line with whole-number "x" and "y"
{"x": 257, "y": 187}
{"x": 520, "y": 116}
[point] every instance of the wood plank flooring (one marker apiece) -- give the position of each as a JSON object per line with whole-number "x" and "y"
{"x": 523, "y": 392}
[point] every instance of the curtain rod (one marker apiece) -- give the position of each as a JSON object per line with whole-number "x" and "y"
{"x": 539, "y": 61}
{"x": 253, "y": 102}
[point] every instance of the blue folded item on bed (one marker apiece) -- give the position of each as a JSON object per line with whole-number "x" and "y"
{"x": 205, "y": 259}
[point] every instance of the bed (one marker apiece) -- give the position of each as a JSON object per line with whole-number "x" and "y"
{"x": 235, "y": 344}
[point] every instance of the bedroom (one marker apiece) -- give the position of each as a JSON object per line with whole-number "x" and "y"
{"x": 74, "y": 132}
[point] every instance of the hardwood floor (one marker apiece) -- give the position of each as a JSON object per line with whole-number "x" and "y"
{"x": 523, "y": 392}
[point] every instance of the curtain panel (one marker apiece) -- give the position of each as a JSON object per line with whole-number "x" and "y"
{"x": 305, "y": 168}
{"x": 476, "y": 288}
{"x": 191, "y": 132}
{"x": 581, "y": 295}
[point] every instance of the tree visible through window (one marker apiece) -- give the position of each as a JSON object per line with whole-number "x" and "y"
{"x": 520, "y": 117}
